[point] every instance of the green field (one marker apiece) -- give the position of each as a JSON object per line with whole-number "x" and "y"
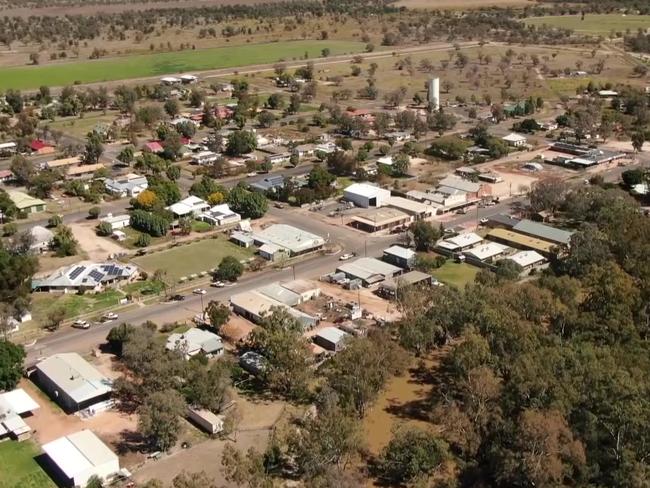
{"x": 188, "y": 259}
{"x": 18, "y": 469}
{"x": 455, "y": 274}
{"x": 594, "y": 24}
{"x": 147, "y": 65}
{"x": 74, "y": 305}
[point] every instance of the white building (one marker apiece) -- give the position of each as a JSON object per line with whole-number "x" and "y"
{"x": 117, "y": 221}
{"x": 170, "y": 80}
{"x": 220, "y": 215}
{"x": 366, "y": 195}
{"x": 13, "y": 406}
{"x": 41, "y": 238}
{"x": 460, "y": 242}
{"x": 288, "y": 239}
{"x": 85, "y": 276}
{"x": 130, "y": 185}
{"x": 208, "y": 421}
{"x": 82, "y": 455}
{"x": 528, "y": 259}
{"x": 204, "y": 158}
{"x": 189, "y": 207}
{"x": 515, "y": 140}
{"x": 195, "y": 341}
{"x": 486, "y": 251}
{"x": 433, "y": 93}
{"x": 189, "y": 79}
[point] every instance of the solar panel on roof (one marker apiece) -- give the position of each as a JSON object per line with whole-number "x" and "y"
{"x": 76, "y": 272}
{"x": 96, "y": 275}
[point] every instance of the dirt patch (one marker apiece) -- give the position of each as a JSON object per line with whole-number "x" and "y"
{"x": 96, "y": 249}
{"x": 236, "y": 330}
{"x": 460, "y": 4}
{"x": 370, "y": 302}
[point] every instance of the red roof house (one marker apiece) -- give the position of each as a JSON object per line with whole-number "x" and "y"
{"x": 154, "y": 147}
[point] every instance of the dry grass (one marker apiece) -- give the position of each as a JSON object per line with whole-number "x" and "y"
{"x": 462, "y": 4}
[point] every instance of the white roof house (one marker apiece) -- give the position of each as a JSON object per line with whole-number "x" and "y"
{"x": 255, "y": 306}
{"x": 195, "y": 341}
{"x": 461, "y": 241}
{"x": 72, "y": 381}
{"x": 81, "y": 456}
{"x": 366, "y": 195}
{"x": 514, "y": 139}
{"x": 169, "y": 80}
{"x": 220, "y": 215}
{"x": 130, "y": 185}
{"x": 451, "y": 184}
{"x": 278, "y": 292}
{"x": 526, "y": 259}
{"x": 292, "y": 239}
{"x": 41, "y": 238}
{"x": 486, "y": 250}
{"x": 189, "y": 206}
{"x": 13, "y": 404}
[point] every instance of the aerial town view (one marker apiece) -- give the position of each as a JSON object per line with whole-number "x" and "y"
{"x": 325, "y": 243}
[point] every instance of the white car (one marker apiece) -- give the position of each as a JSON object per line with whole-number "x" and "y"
{"x": 346, "y": 256}
{"x": 109, "y": 316}
{"x": 483, "y": 221}
{"x": 81, "y": 324}
{"x": 252, "y": 173}
{"x": 199, "y": 291}
{"x": 218, "y": 284}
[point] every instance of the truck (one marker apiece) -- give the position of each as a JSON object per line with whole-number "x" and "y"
{"x": 208, "y": 421}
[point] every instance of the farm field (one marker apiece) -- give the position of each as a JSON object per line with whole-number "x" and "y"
{"x": 142, "y": 66}
{"x": 19, "y": 469}
{"x": 187, "y": 259}
{"x": 594, "y": 24}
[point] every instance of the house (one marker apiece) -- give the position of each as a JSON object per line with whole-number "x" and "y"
{"x": 276, "y": 291}
{"x": 369, "y": 270}
{"x": 170, "y": 80}
{"x": 255, "y": 306}
{"x": 326, "y": 148}
{"x": 379, "y": 219}
{"x": 268, "y": 184}
{"x": 25, "y": 203}
{"x": 503, "y": 221}
{"x": 528, "y": 259}
{"x": 366, "y": 195}
{"x": 188, "y": 207}
{"x": 459, "y": 243}
{"x": 304, "y": 150}
{"x": 486, "y": 252}
{"x": 8, "y": 149}
{"x": 41, "y": 238}
{"x": 14, "y": 406}
{"x": 223, "y": 112}
{"x": 189, "y": 79}
{"x": 61, "y": 164}
{"x": 86, "y": 276}
{"x": 242, "y": 239}
{"x": 71, "y": 381}
{"x": 331, "y": 338}
{"x": 83, "y": 171}
{"x": 208, "y": 421}
{"x": 40, "y": 147}
{"x": 219, "y": 215}
{"x": 607, "y": 93}
{"x": 195, "y": 341}
{"x": 253, "y": 363}
{"x": 154, "y": 147}
{"x": 80, "y": 456}
{"x": 292, "y": 240}
{"x": 521, "y": 241}
{"x": 117, "y": 221}
{"x": 280, "y": 158}
{"x": 204, "y": 158}
{"x": 361, "y": 113}
{"x": 6, "y": 175}
{"x": 390, "y": 287}
{"x": 399, "y": 136}
{"x": 515, "y": 140}
{"x": 130, "y": 185}
{"x": 544, "y": 232}
{"x": 306, "y": 289}
{"x": 400, "y": 256}
{"x": 386, "y": 162}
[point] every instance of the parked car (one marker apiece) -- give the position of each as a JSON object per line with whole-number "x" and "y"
{"x": 253, "y": 173}
{"x": 218, "y": 284}
{"x": 81, "y": 324}
{"x": 278, "y": 205}
{"x": 109, "y": 316}
{"x": 483, "y": 221}
{"x": 199, "y": 291}
{"x": 346, "y": 256}
{"x": 177, "y": 298}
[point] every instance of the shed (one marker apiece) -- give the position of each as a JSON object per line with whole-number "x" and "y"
{"x": 390, "y": 287}
{"x": 369, "y": 270}
{"x": 281, "y": 294}
{"x": 331, "y": 338}
{"x": 378, "y": 219}
{"x": 78, "y": 457}
{"x": 544, "y": 232}
{"x": 366, "y": 195}
{"x": 305, "y": 288}
{"x": 400, "y": 256}
{"x": 208, "y": 421}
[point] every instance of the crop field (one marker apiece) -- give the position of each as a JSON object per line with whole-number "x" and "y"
{"x": 595, "y": 24}
{"x": 143, "y": 66}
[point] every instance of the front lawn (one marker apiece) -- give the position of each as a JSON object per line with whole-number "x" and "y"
{"x": 455, "y": 274}
{"x": 191, "y": 258}
{"x": 18, "y": 468}
{"x": 74, "y": 305}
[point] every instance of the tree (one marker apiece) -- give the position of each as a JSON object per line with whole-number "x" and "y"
{"x": 507, "y": 269}
{"x": 245, "y": 469}
{"x": 94, "y": 482}
{"x": 401, "y": 164}
{"x": 411, "y": 453}
{"x": 143, "y": 240}
{"x": 266, "y": 119}
{"x": 104, "y": 229}
{"x": 159, "y": 418}
{"x": 632, "y": 177}
{"x": 208, "y": 387}
{"x": 172, "y": 107}
{"x": 9, "y": 229}
{"x": 448, "y": 147}
{"x": 425, "y": 235}
{"x": 94, "y": 148}
{"x": 126, "y": 155}
{"x": 196, "y": 98}
{"x": 147, "y": 200}
{"x": 240, "y": 142}
{"x": 192, "y": 480}
{"x": 548, "y": 194}
{"x": 638, "y": 139}
{"x": 218, "y": 314}
{"x": 17, "y": 266}
{"x": 42, "y": 184}
{"x": 23, "y": 169}
{"x": 93, "y": 212}
{"x": 15, "y": 100}
{"x": 294, "y": 104}
{"x": 280, "y": 341}
{"x": 54, "y": 318}
{"x": 12, "y": 357}
{"x": 229, "y": 269}
{"x": 54, "y": 221}
{"x": 250, "y": 205}
{"x": 118, "y": 335}
{"x": 64, "y": 242}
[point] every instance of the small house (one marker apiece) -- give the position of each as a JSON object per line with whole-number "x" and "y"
{"x": 331, "y": 338}
{"x": 117, "y": 221}
{"x": 515, "y": 140}
{"x": 400, "y": 256}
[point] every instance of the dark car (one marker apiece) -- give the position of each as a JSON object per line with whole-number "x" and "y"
{"x": 178, "y": 298}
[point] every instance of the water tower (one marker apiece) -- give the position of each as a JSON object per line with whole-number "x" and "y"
{"x": 433, "y": 93}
